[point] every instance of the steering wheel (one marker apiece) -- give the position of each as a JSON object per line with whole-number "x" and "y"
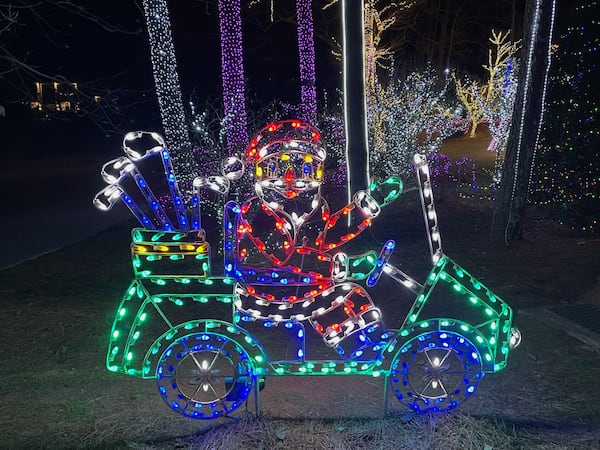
{"x": 382, "y": 259}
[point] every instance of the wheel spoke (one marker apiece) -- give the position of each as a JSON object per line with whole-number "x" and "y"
{"x": 422, "y": 392}
{"x": 217, "y": 354}
{"x": 193, "y": 355}
{"x": 441, "y": 384}
{"x": 426, "y": 353}
{"x": 192, "y": 397}
{"x": 448, "y": 351}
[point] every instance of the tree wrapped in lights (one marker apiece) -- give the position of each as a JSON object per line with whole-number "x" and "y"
{"x": 378, "y": 20}
{"x": 232, "y": 68}
{"x": 306, "y": 52}
{"x": 528, "y": 117}
{"x": 411, "y": 116}
{"x": 480, "y": 99}
{"x": 168, "y": 91}
{"x": 566, "y": 174}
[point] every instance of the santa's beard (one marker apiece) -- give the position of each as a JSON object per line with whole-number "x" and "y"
{"x": 303, "y": 204}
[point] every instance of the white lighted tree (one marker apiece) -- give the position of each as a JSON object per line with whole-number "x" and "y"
{"x": 380, "y": 18}
{"x": 168, "y": 91}
{"x": 412, "y": 115}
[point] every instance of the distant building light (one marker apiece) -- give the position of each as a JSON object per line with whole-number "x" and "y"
{"x": 56, "y": 97}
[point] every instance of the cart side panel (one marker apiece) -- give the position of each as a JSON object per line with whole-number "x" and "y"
{"x": 460, "y": 301}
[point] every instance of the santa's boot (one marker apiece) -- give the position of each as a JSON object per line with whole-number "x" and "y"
{"x": 352, "y": 324}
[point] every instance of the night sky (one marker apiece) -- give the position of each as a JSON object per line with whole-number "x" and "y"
{"x": 82, "y": 51}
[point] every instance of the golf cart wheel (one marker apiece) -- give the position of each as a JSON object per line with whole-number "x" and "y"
{"x": 435, "y": 371}
{"x": 204, "y": 376}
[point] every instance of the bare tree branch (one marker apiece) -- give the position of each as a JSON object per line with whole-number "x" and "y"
{"x": 20, "y": 66}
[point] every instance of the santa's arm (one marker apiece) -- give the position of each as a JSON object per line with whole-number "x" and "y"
{"x": 359, "y": 214}
{"x": 366, "y": 205}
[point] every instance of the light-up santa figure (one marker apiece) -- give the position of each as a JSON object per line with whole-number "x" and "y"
{"x": 285, "y": 249}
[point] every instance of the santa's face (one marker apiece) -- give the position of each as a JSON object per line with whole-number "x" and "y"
{"x": 289, "y": 173}
{"x": 290, "y": 182}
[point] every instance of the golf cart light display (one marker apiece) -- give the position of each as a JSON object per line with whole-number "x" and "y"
{"x": 210, "y": 340}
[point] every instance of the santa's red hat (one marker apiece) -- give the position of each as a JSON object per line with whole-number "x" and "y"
{"x": 286, "y": 136}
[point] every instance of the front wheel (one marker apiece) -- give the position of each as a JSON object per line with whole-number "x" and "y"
{"x": 204, "y": 376}
{"x": 435, "y": 371}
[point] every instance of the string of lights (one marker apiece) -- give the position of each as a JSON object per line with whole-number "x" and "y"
{"x": 544, "y": 89}
{"x": 526, "y": 93}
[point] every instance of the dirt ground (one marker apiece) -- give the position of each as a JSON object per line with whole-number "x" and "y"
{"x": 57, "y": 311}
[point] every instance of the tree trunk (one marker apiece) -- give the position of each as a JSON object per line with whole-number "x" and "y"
{"x": 526, "y": 121}
{"x": 168, "y": 91}
{"x": 232, "y": 73}
{"x": 306, "y": 51}
{"x": 443, "y": 39}
{"x": 355, "y": 111}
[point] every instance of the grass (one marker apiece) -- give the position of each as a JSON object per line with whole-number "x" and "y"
{"x": 454, "y": 431}
{"x": 427, "y": 432}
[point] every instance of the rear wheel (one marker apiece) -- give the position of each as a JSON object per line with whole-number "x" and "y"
{"x": 435, "y": 371}
{"x": 204, "y": 376}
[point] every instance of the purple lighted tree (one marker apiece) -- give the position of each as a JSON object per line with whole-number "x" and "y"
{"x": 306, "y": 50}
{"x": 232, "y": 67}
